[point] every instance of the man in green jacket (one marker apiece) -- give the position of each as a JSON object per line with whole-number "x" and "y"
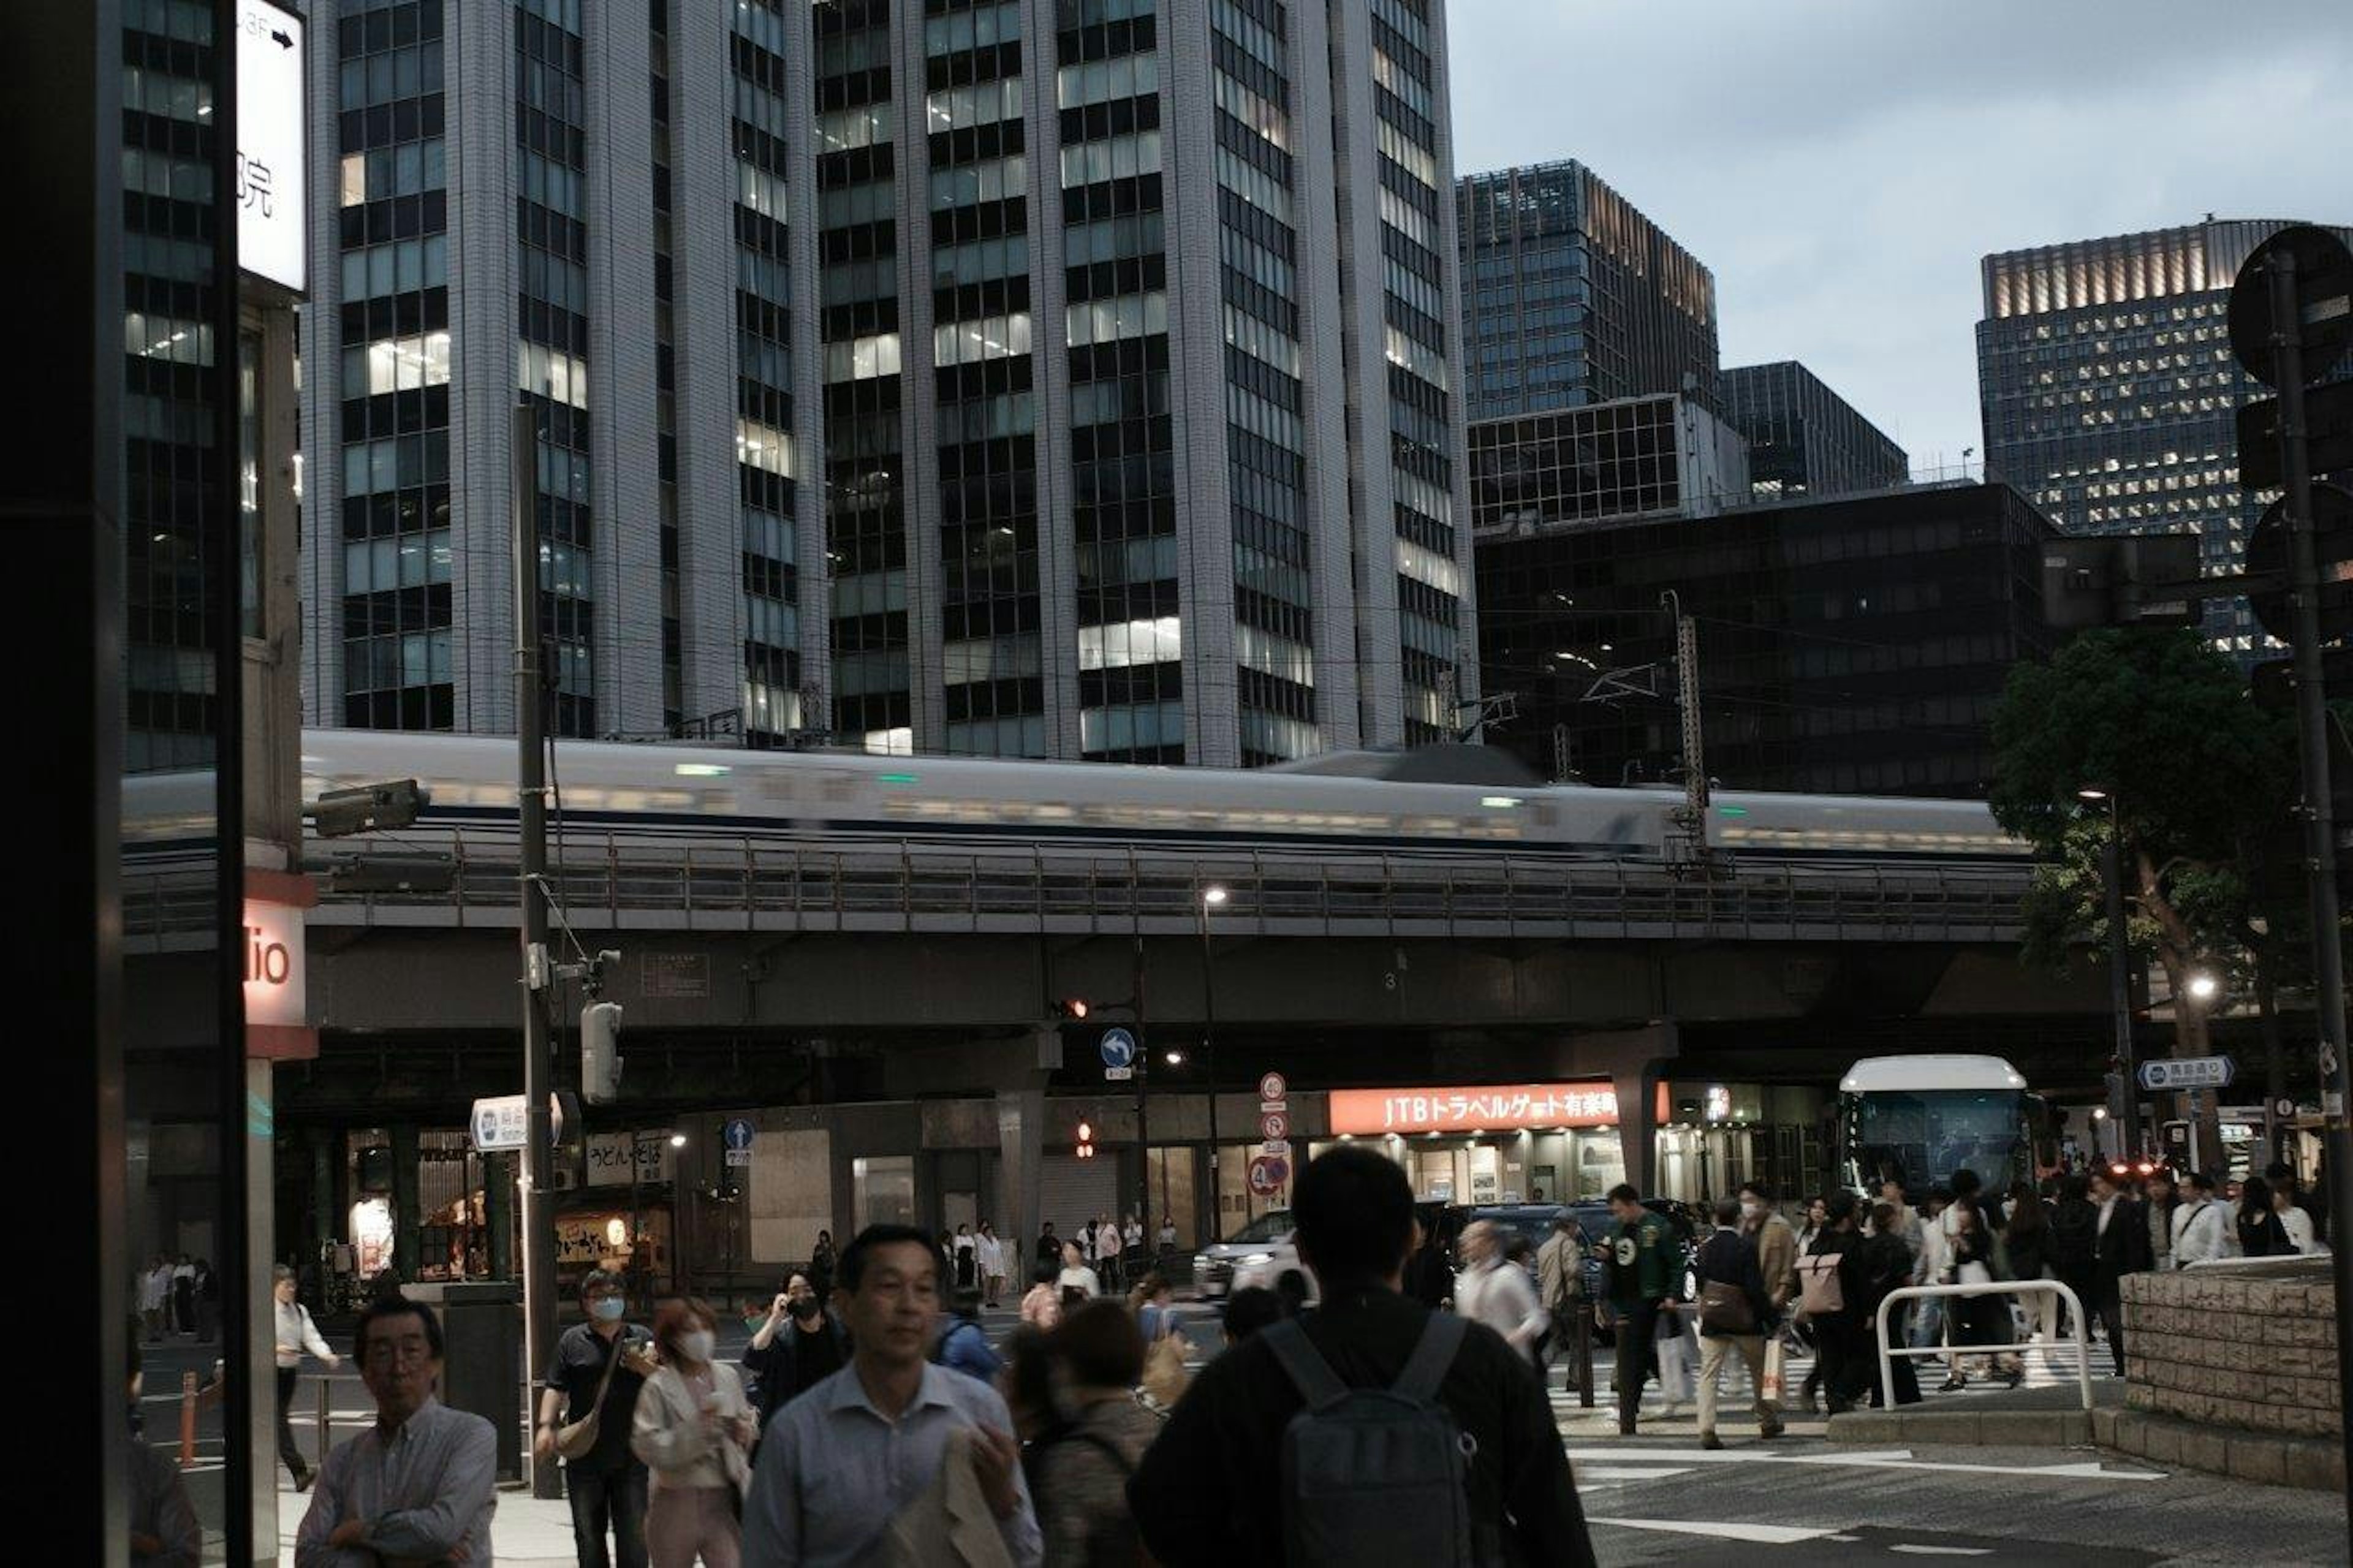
{"x": 1639, "y": 1254}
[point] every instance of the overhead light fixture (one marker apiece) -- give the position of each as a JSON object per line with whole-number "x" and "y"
{"x": 1213, "y": 894}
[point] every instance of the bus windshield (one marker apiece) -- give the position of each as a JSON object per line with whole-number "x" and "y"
{"x": 1922, "y": 1136}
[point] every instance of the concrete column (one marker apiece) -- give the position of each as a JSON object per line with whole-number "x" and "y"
{"x": 408, "y": 1232}
{"x": 498, "y": 1213}
{"x": 1020, "y": 1131}
{"x": 257, "y": 1357}
{"x": 322, "y": 1143}
{"x": 1635, "y": 1060}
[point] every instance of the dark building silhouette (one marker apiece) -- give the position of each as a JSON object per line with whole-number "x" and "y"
{"x": 1848, "y": 645}
{"x": 1803, "y": 438}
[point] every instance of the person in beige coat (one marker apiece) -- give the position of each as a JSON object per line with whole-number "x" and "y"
{"x": 694, "y": 1429}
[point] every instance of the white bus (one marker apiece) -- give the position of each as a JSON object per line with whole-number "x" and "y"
{"x": 1918, "y": 1119}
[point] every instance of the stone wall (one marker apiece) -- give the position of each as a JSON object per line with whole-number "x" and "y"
{"x": 2247, "y": 1346}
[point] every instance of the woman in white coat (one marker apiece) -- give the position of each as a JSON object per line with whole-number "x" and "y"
{"x": 694, "y": 1429}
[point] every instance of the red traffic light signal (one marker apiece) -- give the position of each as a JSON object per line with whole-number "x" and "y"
{"x": 1071, "y": 1007}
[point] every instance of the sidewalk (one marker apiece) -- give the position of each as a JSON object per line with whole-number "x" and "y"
{"x": 525, "y": 1531}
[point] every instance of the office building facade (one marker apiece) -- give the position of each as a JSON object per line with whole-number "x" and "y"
{"x": 1804, "y": 439}
{"x": 1604, "y": 463}
{"x": 879, "y": 401}
{"x": 1854, "y": 646}
{"x": 2109, "y": 393}
{"x": 1572, "y": 296}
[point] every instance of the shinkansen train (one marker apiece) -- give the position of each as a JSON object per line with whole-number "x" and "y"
{"x": 1320, "y": 805}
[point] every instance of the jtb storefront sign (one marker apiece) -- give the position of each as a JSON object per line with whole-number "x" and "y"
{"x": 1485, "y": 1107}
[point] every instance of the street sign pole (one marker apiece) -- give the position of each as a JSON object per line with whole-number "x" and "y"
{"x": 2287, "y": 331}
{"x": 530, "y": 791}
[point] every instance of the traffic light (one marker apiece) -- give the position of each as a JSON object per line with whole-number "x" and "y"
{"x": 1086, "y": 1149}
{"x": 600, "y": 1053}
{"x": 1071, "y": 1007}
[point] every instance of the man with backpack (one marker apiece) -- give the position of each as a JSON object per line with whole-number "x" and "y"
{"x": 1372, "y": 1430}
{"x": 1832, "y": 1288}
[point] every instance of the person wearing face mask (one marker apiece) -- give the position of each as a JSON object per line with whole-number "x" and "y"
{"x": 694, "y": 1429}
{"x": 799, "y": 1347}
{"x": 606, "y": 1484}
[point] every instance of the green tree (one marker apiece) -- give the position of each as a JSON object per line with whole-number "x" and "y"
{"x": 2199, "y": 778}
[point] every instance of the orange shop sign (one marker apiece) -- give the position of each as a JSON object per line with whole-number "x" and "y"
{"x": 1473, "y": 1108}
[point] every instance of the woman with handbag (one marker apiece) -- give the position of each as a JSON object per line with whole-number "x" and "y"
{"x": 1972, "y": 1263}
{"x": 694, "y": 1429}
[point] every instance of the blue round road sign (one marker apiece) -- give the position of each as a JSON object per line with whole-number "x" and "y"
{"x": 739, "y": 1133}
{"x": 1117, "y": 1048}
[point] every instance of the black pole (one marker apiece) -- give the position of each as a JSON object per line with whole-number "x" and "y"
{"x": 1143, "y": 1100}
{"x": 2120, "y": 984}
{"x": 221, "y": 542}
{"x": 1209, "y": 1060}
{"x": 531, "y": 794}
{"x": 2319, "y": 831}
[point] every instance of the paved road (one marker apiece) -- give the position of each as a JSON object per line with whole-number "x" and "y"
{"x": 1659, "y": 1498}
{"x": 1802, "y": 1502}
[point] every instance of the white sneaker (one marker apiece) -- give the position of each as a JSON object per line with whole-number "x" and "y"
{"x": 1669, "y": 1411}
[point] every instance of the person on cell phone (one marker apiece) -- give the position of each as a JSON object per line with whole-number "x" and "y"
{"x": 692, "y": 1429}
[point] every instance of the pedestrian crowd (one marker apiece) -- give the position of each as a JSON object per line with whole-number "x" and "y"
{"x": 873, "y": 1420}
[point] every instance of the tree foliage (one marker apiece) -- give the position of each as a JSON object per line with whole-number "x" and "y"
{"x": 2200, "y": 779}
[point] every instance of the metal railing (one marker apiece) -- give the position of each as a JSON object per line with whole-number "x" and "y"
{"x": 775, "y": 882}
{"x": 1990, "y": 1287}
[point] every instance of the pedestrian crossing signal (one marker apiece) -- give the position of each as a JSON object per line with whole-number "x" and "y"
{"x": 1086, "y": 1149}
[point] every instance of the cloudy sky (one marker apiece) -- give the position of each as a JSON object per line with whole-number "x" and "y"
{"x": 1841, "y": 164}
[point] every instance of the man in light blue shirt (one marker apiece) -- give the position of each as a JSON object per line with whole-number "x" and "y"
{"x": 838, "y": 1466}
{"x": 418, "y": 1487}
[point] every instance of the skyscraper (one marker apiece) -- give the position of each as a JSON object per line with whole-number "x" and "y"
{"x": 879, "y": 397}
{"x": 1804, "y": 438}
{"x": 2109, "y": 392}
{"x": 1570, "y": 296}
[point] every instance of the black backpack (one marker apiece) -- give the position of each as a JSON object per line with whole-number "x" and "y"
{"x": 1375, "y": 1475}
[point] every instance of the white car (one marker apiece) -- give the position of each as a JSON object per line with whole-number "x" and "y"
{"x": 1262, "y": 1253}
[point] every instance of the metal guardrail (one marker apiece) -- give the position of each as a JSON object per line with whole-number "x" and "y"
{"x": 619, "y": 880}
{"x": 1990, "y": 1288}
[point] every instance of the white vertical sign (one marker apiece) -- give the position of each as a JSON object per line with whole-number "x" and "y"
{"x": 271, "y": 230}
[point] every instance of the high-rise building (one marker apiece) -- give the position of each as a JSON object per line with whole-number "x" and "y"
{"x": 1604, "y": 463}
{"x": 2109, "y": 392}
{"x": 880, "y": 396}
{"x": 1804, "y": 438}
{"x": 1847, "y": 645}
{"x": 1572, "y": 296}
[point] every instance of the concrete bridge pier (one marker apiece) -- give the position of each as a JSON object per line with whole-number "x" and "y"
{"x": 1636, "y": 1061}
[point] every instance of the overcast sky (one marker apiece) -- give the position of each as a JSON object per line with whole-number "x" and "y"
{"x": 1841, "y": 164}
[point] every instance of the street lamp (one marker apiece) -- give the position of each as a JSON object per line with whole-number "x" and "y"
{"x": 1212, "y": 897}
{"x": 2204, "y": 988}
{"x": 678, "y": 1139}
{"x": 2120, "y": 961}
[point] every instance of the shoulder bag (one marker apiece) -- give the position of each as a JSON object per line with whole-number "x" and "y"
{"x": 574, "y": 1439}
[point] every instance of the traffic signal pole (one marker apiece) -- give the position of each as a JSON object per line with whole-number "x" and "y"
{"x": 531, "y": 799}
{"x": 2320, "y": 830}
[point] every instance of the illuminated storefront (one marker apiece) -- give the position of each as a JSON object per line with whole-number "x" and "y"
{"x": 1491, "y": 1143}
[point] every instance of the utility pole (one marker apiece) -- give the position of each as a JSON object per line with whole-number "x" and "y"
{"x": 2127, "y": 1110}
{"x": 2288, "y": 309}
{"x": 1692, "y": 817}
{"x": 531, "y": 799}
{"x": 2320, "y": 830}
